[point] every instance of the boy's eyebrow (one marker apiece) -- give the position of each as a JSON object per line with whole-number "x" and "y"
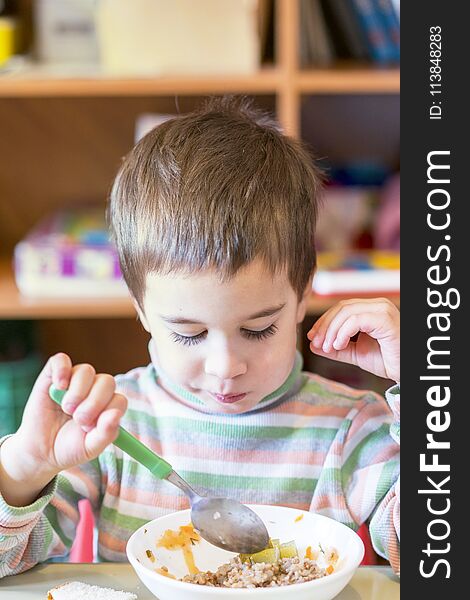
{"x": 267, "y": 312}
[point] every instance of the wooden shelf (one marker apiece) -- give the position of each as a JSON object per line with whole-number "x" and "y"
{"x": 365, "y": 80}
{"x": 348, "y": 80}
{"x": 15, "y": 306}
{"x": 40, "y": 83}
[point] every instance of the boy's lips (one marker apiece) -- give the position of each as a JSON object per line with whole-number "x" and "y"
{"x": 227, "y": 398}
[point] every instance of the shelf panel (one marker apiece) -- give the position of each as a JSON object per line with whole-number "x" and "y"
{"x": 15, "y": 306}
{"x": 351, "y": 80}
{"x": 40, "y": 83}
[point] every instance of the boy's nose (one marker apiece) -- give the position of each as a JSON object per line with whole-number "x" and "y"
{"x": 224, "y": 364}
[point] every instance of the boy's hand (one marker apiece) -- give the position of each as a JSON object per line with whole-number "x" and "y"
{"x": 377, "y": 349}
{"x": 52, "y": 438}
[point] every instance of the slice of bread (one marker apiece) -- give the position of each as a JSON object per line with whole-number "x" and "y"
{"x": 76, "y": 590}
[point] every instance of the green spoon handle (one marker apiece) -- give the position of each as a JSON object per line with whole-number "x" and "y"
{"x": 130, "y": 445}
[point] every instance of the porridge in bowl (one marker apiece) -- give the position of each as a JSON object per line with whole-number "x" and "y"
{"x": 277, "y": 565}
{"x": 237, "y": 574}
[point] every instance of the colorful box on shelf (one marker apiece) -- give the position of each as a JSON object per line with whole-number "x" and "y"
{"x": 357, "y": 272}
{"x": 69, "y": 255}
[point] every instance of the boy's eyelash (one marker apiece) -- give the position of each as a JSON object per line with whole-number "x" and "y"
{"x": 187, "y": 340}
{"x": 191, "y": 340}
{"x": 260, "y": 335}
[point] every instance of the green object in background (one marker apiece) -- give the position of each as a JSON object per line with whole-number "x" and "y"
{"x": 17, "y": 378}
{"x": 20, "y": 365}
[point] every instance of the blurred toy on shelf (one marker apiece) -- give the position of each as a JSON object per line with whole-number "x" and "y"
{"x": 69, "y": 254}
{"x": 345, "y": 218}
{"x": 357, "y": 272}
{"x": 386, "y": 228}
{"x": 358, "y": 238}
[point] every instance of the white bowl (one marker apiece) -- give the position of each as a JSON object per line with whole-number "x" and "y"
{"x": 281, "y": 522}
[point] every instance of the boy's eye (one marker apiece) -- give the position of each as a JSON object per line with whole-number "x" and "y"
{"x": 188, "y": 340}
{"x": 260, "y": 335}
{"x": 191, "y": 340}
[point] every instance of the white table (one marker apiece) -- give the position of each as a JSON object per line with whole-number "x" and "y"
{"x": 368, "y": 583}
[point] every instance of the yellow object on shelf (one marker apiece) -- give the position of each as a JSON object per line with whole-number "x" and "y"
{"x": 8, "y": 27}
{"x": 383, "y": 259}
{"x": 374, "y": 271}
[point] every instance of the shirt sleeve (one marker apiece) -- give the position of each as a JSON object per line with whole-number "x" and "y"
{"x": 371, "y": 473}
{"x": 385, "y": 520}
{"x": 46, "y": 528}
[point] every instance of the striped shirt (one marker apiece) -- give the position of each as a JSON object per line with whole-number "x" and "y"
{"x": 313, "y": 445}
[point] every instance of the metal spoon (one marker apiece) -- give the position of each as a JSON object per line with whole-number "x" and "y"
{"x": 226, "y": 523}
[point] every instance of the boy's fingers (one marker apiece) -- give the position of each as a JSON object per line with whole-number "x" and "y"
{"x": 346, "y": 323}
{"x": 326, "y": 328}
{"x": 347, "y": 330}
{"x": 61, "y": 366}
{"x": 320, "y": 329}
{"x": 81, "y": 383}
{"x": 340, "y": 334}
{"x": 347, "y": 355}
{"x": 57, "y": 371}
{"x": 330, "y": 322}
{"x": 109, "y": 419}
{"x": 96, "y": 401}
{"x": 107, "y": 426}
{"x": 318, "y": 326}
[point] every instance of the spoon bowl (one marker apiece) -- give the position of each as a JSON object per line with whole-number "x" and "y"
{"x": 230, "y": 525}
{"x": 226, "y": 523}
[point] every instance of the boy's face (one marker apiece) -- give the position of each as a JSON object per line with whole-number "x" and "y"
{"x": 229, "y": 343}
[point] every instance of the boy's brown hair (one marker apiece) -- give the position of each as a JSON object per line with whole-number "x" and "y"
{"x": 215, "y": 188}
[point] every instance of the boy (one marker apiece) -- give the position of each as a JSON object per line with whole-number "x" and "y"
{"x": 213, "y": 214}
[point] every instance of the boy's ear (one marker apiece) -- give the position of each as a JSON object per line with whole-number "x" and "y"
{"x": 302, "y": 306}
{"x": 141, "y": 315}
